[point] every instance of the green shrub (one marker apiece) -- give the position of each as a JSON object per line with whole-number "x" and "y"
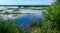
{"x": 51, "y": 18}
{"x": 8, "y": 26}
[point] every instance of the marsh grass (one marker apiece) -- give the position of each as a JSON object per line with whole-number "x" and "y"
{"x": 8, "y": 26}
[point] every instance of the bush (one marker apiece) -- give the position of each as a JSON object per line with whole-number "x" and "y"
{"x": 51, "y": 18}
{"x": 8, "y": 26}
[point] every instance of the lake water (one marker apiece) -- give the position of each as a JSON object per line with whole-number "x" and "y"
{"x": 24, "y": 18}
{"x": 38, "y": 13}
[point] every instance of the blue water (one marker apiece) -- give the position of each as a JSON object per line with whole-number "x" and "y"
{"x": 26, "y": 19}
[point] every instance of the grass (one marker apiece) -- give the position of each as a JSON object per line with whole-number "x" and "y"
{"x": 8, "y": 26}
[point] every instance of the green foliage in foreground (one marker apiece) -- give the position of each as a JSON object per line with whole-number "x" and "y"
{"x": 8, "y": 26}
{"x": 51, "y": 19}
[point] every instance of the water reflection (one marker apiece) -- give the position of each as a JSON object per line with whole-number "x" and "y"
{"x": 23, "y": 11}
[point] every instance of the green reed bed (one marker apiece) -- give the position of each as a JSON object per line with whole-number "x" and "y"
{"x": 8, "y": 26}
